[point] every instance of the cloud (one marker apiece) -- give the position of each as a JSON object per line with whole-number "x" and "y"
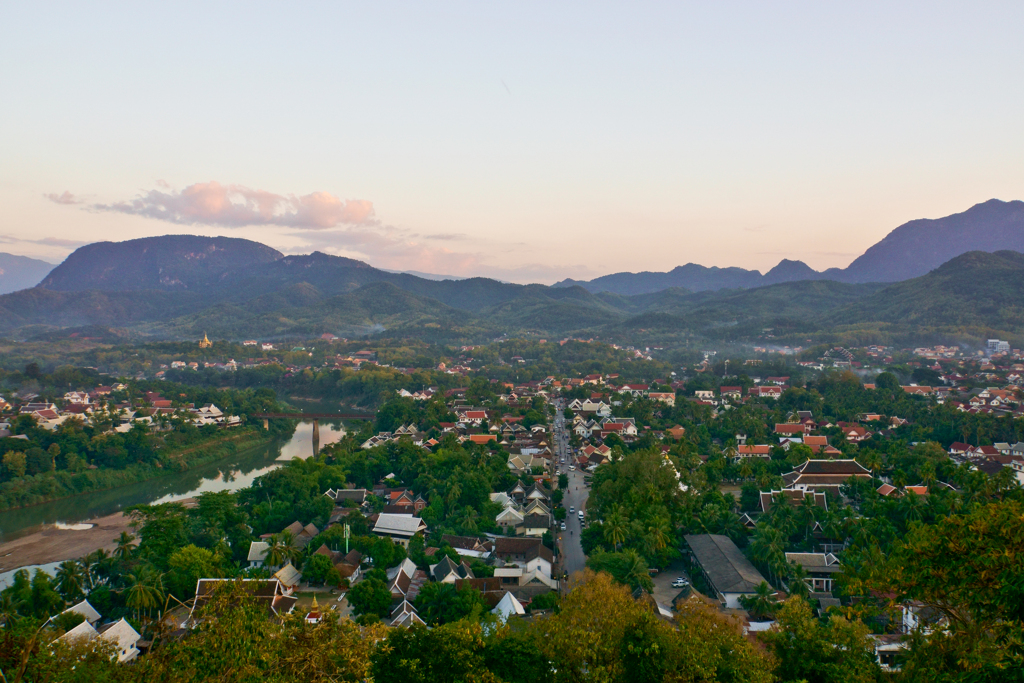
{"x": 235, "y": 206}
{"x": 45, "y": 241}
{"x": 446, "y": 236}
{"x": 64, "y": 198}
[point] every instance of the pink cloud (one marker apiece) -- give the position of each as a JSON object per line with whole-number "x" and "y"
{"x": 236, "y": 206}
{"x": 64, "y": 198}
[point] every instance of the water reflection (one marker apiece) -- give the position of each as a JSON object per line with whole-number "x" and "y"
{"x": 229, "y": 474}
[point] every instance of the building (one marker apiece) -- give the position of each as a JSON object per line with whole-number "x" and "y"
{"x": 726, "y": 571}
{"x": 119, "y": 633}
{"x": 824, "y": 475}
{"x": 821, "y": 569}
{"x": 399, "y": 528}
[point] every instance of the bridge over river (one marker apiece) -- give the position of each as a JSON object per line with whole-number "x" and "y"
{"x": 315, "y": 417}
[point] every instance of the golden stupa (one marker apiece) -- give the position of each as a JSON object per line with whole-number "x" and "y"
{"x": 206, "y": 343}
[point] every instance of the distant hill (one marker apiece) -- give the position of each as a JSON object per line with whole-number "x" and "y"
{"x": 692, "y": 276}
{"x": 21, "y": 272}
{"x": 169, "y": 263}
{"x": 976, "y": 289}
{"x": 909, "y": 251}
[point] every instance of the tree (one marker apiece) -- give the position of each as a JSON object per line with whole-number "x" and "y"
{"x": 615, "y": 527}
{"x": 70, "y": 581}
{"x": 839, "y": 651}
{"x": 187, "y": 566}
{"x": 627, "y": 568}
{"x": 14, "y": 464}
{"x": 370, "y": 596}
{"x": 145, "y": 591}
{"x": 452, "y": 652}
{"x": 762, "y": 604}
{"x": 125, "y": 546}
{"x": 441, "y": 603}
{"x": 319, "y": 570}
{"x": 965, "y": 568}
{"x": 563, "y": 481}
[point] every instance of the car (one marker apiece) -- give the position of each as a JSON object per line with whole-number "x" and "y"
{"x": 563, "y": 526}
{"x": 572, "y": 508}
{"x": 680, "y": 582}
{"x": 572, "y": 468}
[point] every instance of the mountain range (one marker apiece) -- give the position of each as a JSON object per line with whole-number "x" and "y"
{"x": 909, "y": 251}
{"x": 182, "y": 286}
{"x": 21, "y": 272}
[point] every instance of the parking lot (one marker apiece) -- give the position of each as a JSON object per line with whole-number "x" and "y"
{"x": 664, "y": 593}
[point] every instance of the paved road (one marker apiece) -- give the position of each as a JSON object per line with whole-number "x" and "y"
{"x": 573, "y": 559}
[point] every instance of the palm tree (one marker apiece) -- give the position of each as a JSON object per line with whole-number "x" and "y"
{"x": 635, "y": 573}
{"x": 762, "y": 603}
{"x": 145, "y": 591}
{"x": 807, "y": 513}
{"x": 796, "y": 582}
{"x": 658, "y": 534}
{"x": 124, "y": 546}
{"x": 283, "y": 549}
{"x": 615, "y": 527}
{"x": 767, "y": 547}
{"x": 70, "y": 581}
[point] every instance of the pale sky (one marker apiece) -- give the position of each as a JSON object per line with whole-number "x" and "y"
{"x": 524, "y": 141}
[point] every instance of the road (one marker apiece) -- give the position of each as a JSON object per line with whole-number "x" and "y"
{"x": 573, "y": 559}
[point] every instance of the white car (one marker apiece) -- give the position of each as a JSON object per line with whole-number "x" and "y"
{"x": 572, "y": 509}
{"x": 563, "y": 526}
{"x": 680, "y": 582}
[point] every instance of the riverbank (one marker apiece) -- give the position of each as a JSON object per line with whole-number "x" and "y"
{"x": 56, "y": 545}
{"x": 55, "y": 486}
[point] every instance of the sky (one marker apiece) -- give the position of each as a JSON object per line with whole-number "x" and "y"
{"x": 524, "y": 141}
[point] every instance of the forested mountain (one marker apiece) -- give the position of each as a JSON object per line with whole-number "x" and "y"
{"x": 185, "y": 290}
{"x": 976, "y": 289}
{"x": 169, "y": 262}
{"x": 909, "y": 251}
{"x": 21, "y": 272}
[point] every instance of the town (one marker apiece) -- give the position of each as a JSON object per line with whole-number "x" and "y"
{"x": 494, "y": 485}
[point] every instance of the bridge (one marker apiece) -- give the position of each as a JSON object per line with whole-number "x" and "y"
{"x": 315, "y": 417}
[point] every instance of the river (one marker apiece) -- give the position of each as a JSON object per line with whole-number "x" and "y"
{"x": 230, "y": 474}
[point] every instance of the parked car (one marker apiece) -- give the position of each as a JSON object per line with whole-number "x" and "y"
{"x": 680, "y": 582}
{"x": 563, "y": 526}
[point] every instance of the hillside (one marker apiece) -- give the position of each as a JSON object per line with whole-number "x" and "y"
{"x": 976, "y": 289}
{"x": 169, "y": 263}
{"x": 21, "y": 272}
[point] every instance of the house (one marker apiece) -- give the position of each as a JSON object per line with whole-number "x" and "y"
{"x": 765, "y": 392}
{"x": 446, "y": 571}
{"x": 268, "y": 593}
{"x": 509, "y": 518}
{"x": 792, "y": 429}
{"x": 793, "y": 497}
{"x": 119, "y": 633}
{"x": 821, "y": 569}
{"x": 508, "y": 606}
{"x": 258, "y": 553}
{"x": 731, "y": 392}
{"x": 724, "y": 568}
{"x": 88, "y": 612}
{"x": 760, "y": 451}
{"x": 528, "y": 553}
{"x": 289, "y": 577}
{"x": 342, "y": 496}
{"x": 666, "y": 397}
{"x": 824, "y": 475}
{"x": 399, "y": 528}
{"x": 405, "y": 615}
